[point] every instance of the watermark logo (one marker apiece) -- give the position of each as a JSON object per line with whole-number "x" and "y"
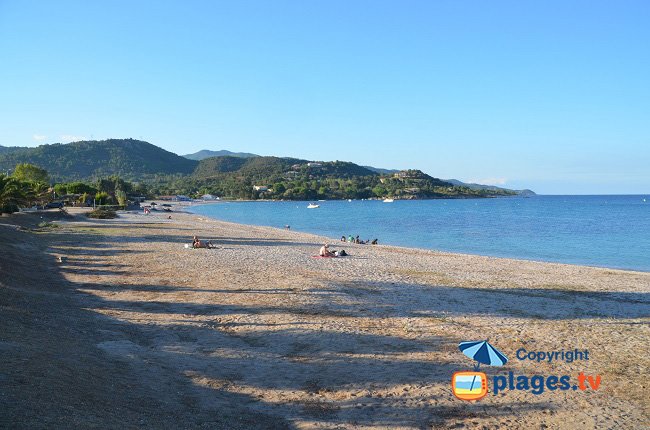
{"x": 470, "y": 385}
{"x": 473, "y": 385}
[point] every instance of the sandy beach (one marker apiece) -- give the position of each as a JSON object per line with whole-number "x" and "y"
{"x": 115, "y": 324}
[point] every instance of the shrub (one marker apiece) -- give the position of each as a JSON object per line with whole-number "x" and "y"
{"x": 102, "y": 213}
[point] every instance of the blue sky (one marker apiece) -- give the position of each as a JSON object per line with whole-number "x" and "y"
{"x": 552, "y": 95}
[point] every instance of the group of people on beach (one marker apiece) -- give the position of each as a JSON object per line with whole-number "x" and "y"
{"x": 324, "y": 250}
{"x": 352, "y": 239}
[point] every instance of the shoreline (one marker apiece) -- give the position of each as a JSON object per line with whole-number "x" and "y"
{"x": 257, "y": 328}
{"x": 441, "y": 251}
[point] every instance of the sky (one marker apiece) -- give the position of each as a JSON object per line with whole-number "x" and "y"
{"x": 548, "y": 95}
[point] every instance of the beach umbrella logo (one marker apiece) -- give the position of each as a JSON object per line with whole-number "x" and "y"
{"x": 473, "y": 385}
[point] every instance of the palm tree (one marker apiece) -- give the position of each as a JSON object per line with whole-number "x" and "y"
{"x": 13, "y": 193}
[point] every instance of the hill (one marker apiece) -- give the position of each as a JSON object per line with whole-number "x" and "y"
{"x": 473, "y": 186}
{"x": 274, "y": 168}
{"x": 382, "y": 171}
{"x": 206, "y": 153}
{"x": 128, "y": 158}
{"x": 8, "y": 149}
{"x": 235, "y": 176}
{"x": 296, "y": 179}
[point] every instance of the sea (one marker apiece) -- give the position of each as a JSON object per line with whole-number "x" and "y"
{"x": 604, "y": 231}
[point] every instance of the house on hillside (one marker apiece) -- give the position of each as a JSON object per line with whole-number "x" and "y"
{"x": 314, "y": 164}
{"x": 209, "y": 197}
{"x": 260, "y": 188}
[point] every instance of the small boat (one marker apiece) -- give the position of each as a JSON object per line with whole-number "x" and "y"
{"x": 350, "y": 200}
{"x": 312, "y": 206}
{"x": 389, "y": 200}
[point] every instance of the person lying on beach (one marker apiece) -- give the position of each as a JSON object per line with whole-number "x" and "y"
{"x": 375, "y": 242}
{"x": 196, "y": 243}
{"x": 325, "y": 252}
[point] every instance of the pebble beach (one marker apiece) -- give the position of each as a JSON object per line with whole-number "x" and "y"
{"x": 258, "y": 334}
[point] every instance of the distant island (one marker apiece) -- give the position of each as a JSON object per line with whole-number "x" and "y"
{"x": 231, "y": 175}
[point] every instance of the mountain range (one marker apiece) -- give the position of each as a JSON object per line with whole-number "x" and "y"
{"x": 203, "y": 154}
{"x": 206, "y": 153}
{"x": 138, "y": 160}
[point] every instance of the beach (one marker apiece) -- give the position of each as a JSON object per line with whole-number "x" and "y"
{"x": 116, "y": 324}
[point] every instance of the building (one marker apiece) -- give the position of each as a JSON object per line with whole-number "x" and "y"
{"x": 260, "y": 188}
{"x": 177, "y": 198}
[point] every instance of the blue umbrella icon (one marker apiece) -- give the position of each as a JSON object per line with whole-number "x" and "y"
{"x": 482, "y": 352}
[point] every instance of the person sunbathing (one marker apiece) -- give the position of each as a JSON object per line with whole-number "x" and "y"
{"x": 196, "y": 243}
{"x": 325, "y": 252}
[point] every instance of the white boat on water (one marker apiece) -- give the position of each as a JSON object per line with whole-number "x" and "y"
{"x": 389, "y": 200}
{"x": 312, "y": 206}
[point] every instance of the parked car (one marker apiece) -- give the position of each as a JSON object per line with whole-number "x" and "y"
{"x": 54, "y": 205}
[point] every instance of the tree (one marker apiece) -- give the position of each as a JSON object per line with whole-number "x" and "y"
{"x": 13, "y": 193}
{"x": 102, "y": 198}
{"x": 61, "y": 189}
{"x": 120, "y": 195}
{"x": 30, "y": 173}
{"x": 80, "y": 188}
{"x": 105, "y": 185}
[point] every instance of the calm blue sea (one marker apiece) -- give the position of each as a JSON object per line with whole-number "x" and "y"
{"x": 605, "y": 231}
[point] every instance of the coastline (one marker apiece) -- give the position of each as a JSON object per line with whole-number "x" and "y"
{"x": 187, "y": 209}
{"x": 258, "y": 328}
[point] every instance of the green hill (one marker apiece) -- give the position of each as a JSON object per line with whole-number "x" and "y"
{"x": 9, "y": 149}
{"x": 233, "y": 176}
{"x": 206, "y": 153}
{"x": 213, "y": 166}
{"x": 270, "y": 169}
{"x": 473, "y": 186}
{"x": 128, "y": 158}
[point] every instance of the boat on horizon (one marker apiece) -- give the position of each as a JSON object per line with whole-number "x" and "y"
{"x": 312, "y": 206}
{"x": 389, "y": 200}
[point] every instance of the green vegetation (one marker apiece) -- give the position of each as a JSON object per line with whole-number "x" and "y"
{"x": 295, "y": 179}
{"x": 88, "y": 160}
{"x": 112, "y": 171}
{"x": 13, "y": 193}
{"x": 23, "y": 189}
{"x": 102, "y": 213}
{"x": 47, "y": 225}
{"x": 30, "y": 173}
{"x": 223, "y": 153}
